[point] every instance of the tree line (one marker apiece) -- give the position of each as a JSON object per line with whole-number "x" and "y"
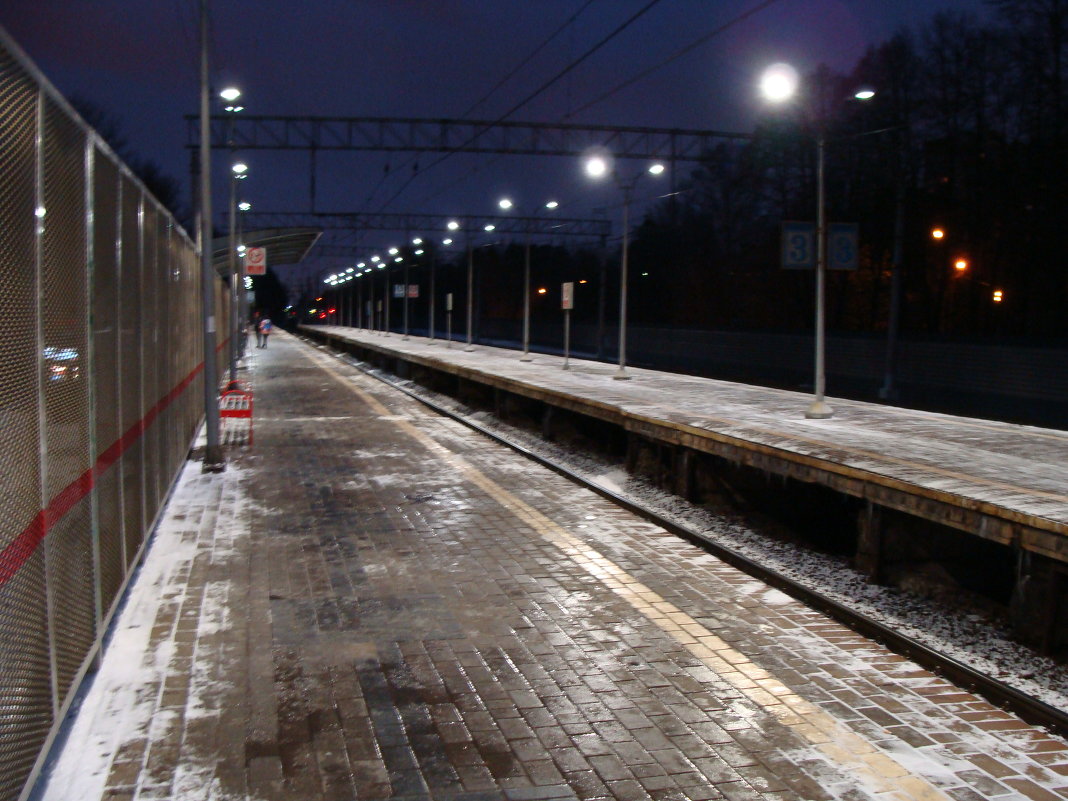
{"x": 966, "y": 134}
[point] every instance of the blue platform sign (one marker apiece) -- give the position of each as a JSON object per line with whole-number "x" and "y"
{"x": 842, "y": 246}
{"x": 798, "y": 245}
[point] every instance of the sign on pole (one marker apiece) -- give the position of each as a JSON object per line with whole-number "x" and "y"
{"x": 255, "y": 261}
{"x": 413, "y": 290}
{"x": 567, "y": 295}
{"x": 842, "y": 246}
{"x": 798, "y": 245}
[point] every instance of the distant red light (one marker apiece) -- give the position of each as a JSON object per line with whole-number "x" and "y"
{"x": 322, "y": 315}
{"x": 332, "y": 311}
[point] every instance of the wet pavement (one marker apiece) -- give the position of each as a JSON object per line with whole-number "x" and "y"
{"x": 376, "y": 603}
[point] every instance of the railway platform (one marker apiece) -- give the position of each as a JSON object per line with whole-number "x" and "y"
{"x": 1000, "y": 483}
{"x": 377, "y": 603}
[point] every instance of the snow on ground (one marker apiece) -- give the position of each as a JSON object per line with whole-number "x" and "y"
{"x": 967, "y": 635}
{"x": 121, "y": 702}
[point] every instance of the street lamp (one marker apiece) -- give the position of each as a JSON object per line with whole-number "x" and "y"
{"x": 598, "y": 167}
{"x": 230, "y": 94}
{"x": 778, "y": 85}
{"x": 506, "y": 204}
{"x": 238, "y": 171}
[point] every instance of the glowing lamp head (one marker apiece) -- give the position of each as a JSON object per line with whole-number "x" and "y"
{"x": 656, "y": 169}
{"x": 779, "y": 83}
{"x": 937, "y": 233}
{"x": 453, "y": 225}
{"x": 552, "y": 204}
{"x": 960, "y": 265}
{"x": 504, "y": 203}
{"x": 597, "y": 166}
{"x": 230, "y": 94}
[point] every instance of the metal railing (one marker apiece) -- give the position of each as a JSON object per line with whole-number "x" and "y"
{"x": 100, "y": 371}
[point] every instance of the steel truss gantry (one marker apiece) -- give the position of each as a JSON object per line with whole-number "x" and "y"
{"x": 426, "y": 224}
{"x": 409, "y": 134}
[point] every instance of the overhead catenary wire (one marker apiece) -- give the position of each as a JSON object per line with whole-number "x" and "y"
{"x": 515, "y": 70}
{"x": 387, "y": 171}
{"x": 540, "y": 90}
{"x": 641, "y": 75}
{"x": 675, "y": 56}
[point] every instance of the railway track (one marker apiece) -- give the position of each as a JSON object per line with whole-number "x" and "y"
{"x": 995, "y": 691}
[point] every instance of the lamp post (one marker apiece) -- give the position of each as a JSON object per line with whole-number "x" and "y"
{"x": 242, "y": 279}
{"x": 470, "y": 292}
{"x": 505, "y": 204}
{"x": 237, "y": 172}
{"x": 779, "y": 84}
{"x": 598, "y": 167}
{"x": 230, "y": 96}
{"x": 214, "y": 460}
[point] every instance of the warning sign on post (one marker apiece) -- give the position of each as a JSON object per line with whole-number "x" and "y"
{"x": 255, "y": 261}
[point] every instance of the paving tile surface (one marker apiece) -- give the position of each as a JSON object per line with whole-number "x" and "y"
{"x": 376, "y": 603}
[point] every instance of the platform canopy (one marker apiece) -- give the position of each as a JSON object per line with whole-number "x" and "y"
{"x": 284, "y": 246}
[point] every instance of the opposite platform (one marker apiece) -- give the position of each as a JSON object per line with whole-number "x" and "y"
{"x": 1010, "y": 475}
{"x": 378, "y": 603}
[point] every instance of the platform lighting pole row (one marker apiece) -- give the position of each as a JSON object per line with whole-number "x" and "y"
{"x": 779, "y": 84}
{"x": 598, "y": 167}
{"x": 505, "y": 204}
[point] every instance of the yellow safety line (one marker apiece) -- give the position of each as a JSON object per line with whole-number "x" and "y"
{"x": 840, "y": 744}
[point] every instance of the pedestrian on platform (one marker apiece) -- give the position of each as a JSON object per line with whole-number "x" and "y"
{"x": 264, "y": 331}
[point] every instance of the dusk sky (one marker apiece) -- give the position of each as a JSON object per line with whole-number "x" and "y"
{"x": 436, "y": 58}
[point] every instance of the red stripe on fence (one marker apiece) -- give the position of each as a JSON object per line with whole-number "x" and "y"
{"x": 20, "y": 549}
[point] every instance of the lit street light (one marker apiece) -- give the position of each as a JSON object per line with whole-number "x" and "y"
{"x": 507, "y": 204}
{"x": 597, "y": 167}
{"x": 778, "y": 85}
{"x": 238, "y": 171}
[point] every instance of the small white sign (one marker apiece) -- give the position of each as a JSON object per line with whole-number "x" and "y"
{"x": 448, "y": 302}
{"x": 567, "y": 295}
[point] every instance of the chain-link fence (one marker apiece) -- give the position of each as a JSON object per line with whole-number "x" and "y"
{"x": 100, "y": 393}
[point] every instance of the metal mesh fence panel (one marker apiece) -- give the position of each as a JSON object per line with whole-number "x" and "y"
{"x": 65, "y": 386}
{"x": 99, "y": 333}
{"x": 25, "y": 676}
{"x": 130, "y": 369}
{"x": 150, "y": 363}
{"x": 107, "y": 410}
